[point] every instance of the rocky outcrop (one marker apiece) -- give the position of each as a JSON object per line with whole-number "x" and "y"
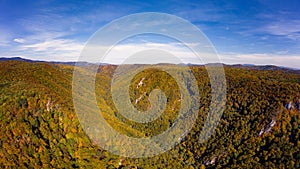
{"x": 211, "y": 161}
{"x": 268, "y": 127}
{"x": 49, "y": 105}
{"x": 293, "y": 106}
{"x": 138, "y": 99}
{"x": 140, "y": 83}
{"x": 289, "y": 106}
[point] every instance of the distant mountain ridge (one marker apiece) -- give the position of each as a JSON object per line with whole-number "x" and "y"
{"x": 266, "y": 67}
{"x": 54, "y": 62}
{"x": 81, "y": 63}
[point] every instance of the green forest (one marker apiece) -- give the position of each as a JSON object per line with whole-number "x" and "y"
{"x": 40, "y": 128}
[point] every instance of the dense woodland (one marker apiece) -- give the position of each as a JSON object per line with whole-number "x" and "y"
{"x": 40, "y": 129}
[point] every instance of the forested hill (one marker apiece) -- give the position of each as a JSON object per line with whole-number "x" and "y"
{"x": 39, "y": 127}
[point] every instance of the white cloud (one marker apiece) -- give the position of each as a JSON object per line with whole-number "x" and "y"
{"x": 121, "y": 53}
{"x": 65, "y": 50}
{"x": 70, "y": 50}
{"x": 19, "y": 40}
{"x": 288, "y": 28}
{"x": 54, "y": 44}
{"x": 140, "y": 53}
{"x": 52, "y": 49}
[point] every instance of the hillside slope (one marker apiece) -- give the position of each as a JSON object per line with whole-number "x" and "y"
{"x": 39, "y": 128}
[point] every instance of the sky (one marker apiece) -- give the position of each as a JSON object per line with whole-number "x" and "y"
{"x": 261, "y": 32}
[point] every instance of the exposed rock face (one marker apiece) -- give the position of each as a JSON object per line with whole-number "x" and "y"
{"x": 262, "y": 130}
{"x": 270, "y": 125}
{"x": 288, "y": 106}
{"x": 121, "y": 163}
{"x": 140, "y": 83}
{"x": 211, "y": 161}
{"x": 49, "y": 105}
{"x": 267, "y": 128}
{"x": 291, "y": 106}
{"x": 138, "y": 99}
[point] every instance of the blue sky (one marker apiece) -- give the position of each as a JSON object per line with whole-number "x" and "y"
{"x": 257, "y": 32}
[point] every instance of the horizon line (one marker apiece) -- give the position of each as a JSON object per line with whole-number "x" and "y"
{"x": 17, "y": 58}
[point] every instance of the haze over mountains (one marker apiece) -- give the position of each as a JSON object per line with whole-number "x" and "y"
{"x": 81, "y": 63}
